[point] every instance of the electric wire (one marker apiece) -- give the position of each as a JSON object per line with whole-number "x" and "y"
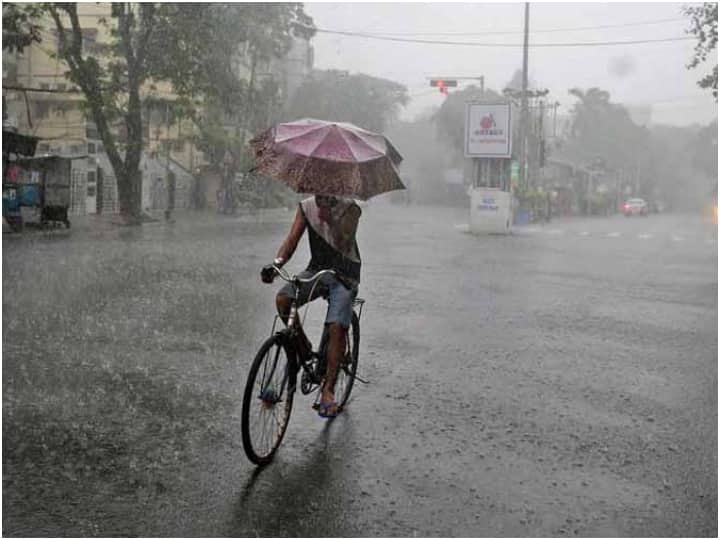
{"x": 505, "y": 45}
{"x": 515, "y": 32}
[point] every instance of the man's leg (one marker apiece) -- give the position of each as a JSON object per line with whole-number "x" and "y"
{"x": 338, "y": 320}
{"x": 302, "y": 343}
{"x": 335, "y": 353}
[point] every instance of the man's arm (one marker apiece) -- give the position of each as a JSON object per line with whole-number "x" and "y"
{"x": 291, "y": 241}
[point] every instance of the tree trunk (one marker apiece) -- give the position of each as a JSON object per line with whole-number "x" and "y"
{"x": 129, "y": 185}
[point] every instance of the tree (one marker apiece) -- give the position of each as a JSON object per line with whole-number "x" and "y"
{"x": 188, "y": 45}
{"x": 206, "y": 74}
{"x": 604, "y": 138}
{"x": 369, "y": 102}
{"x": 704, "y": 20}
{"x": 592, "y": 103}
{"x": 515, "y": 82}
{"x": 703, "y": 150}
{"x": 112, "y": 88}
{"x": 20, "y": 28}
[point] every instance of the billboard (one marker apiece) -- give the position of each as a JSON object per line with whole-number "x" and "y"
{"x": 488, "y": 130}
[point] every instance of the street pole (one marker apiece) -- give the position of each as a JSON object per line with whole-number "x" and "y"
{"x": 524, "y": 103}
{"x": 247, "y": 110}
{"x": 541, "y": 140}
{"x": 168, "y": 187}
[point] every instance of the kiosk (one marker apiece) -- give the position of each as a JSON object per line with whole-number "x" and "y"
{"x": 488, "y": 141}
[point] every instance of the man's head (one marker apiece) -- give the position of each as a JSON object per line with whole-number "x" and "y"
{"x": 325, "y": 204}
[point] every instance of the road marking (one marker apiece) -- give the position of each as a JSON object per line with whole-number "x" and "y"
{"x": 462, "y": 227}
{"x": 645, "y": 236}
{"x": 532, "y": 229}
{"x": 677, "y": 238}
{"x": 556, "y": 231}
{"x": 584, "y": 233}
{"x": 613, "y": 235}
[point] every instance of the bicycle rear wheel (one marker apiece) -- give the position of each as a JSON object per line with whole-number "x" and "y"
{"x": 267, "y": 401}
{"x": 347, "y": 369}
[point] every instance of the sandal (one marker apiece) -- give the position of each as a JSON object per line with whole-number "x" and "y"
{"x": 327, "y": 409}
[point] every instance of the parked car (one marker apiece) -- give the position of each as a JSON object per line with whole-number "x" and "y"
{"x": 635, "y": 207}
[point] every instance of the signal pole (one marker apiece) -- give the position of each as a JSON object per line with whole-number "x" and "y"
{"x": 524, "y": 102}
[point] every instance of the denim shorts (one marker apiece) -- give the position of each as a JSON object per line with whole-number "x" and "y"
{"x": 340, "y": 298}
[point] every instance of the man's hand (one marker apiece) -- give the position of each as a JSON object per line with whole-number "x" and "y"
{"x": 268, "y": 273}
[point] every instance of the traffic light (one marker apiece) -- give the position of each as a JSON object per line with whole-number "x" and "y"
{"x": 443, "y": 84}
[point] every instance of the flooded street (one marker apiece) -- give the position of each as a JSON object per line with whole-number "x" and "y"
{"x": 560, "y": 381}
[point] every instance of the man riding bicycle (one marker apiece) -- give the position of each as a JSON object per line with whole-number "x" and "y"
{"x": 332, "y": 226}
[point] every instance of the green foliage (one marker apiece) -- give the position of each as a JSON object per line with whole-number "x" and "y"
{"x": 369, "y": 102}
{"x": 209, "y": 42}
{"x": 703, "y": 150}
{"x": 450, "y": 118}
{"x": 603, "y": 130}
{"x": 703, "y": 21}
{"x": 531, "y": 198}
{"x": 190, "y": 45}
{"x": 20, "y": 27}
{"x": 206, "y": 41}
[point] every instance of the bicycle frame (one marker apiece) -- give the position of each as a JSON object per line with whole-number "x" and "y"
{"x": 290, "y": 330}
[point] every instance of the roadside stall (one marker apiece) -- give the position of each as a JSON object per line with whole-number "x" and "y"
{"x": 45, "y": 186}
{"x": 15, "y": 146}
{"x": 41, "y": 184}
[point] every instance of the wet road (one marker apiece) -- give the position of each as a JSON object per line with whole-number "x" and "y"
{"x": 559, "y": 381}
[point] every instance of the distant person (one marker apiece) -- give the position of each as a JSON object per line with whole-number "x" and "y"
{"x": 170, "y": 196}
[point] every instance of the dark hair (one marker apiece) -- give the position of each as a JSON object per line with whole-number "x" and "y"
{"x": 328, "y": 201}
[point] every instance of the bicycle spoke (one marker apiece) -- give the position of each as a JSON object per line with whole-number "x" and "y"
{"x": 267, "y": 402}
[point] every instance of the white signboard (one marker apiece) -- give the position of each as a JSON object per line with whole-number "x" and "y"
{"x": 488, "y": 130}
{"x": 490, "y": 211}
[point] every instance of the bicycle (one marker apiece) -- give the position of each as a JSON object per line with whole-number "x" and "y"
{"x": 272, "y": 381}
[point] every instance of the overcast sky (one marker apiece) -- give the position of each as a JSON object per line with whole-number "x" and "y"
{"x": 652, "y": 73}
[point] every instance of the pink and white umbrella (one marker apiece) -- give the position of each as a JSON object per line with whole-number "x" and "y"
{"x": 330, "y": 158}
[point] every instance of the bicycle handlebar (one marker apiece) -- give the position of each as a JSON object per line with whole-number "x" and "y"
{"x": 293, "y": 279}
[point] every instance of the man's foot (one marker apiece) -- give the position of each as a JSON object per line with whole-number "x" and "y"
{"x": 328, "y": 409}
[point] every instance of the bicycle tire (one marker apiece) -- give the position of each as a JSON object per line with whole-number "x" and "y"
{"x": 347, "y": 370}
{"x": 276, "y": 381}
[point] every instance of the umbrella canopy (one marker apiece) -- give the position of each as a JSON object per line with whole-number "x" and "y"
{"x": 330, "y": 158}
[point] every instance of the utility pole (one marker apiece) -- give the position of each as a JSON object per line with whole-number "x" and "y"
{"x": 524, "y": 102}
{"x": 541, "y": 140}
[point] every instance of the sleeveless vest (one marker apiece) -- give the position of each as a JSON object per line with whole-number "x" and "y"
{"x": 325, "y": 251}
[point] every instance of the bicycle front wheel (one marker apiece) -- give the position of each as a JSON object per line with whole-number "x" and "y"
{"x": 267, "y": 401}
{"x": 348, "y": 367}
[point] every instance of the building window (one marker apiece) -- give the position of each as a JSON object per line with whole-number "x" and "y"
{"x": 91, "y": 177}
{"x": 43, "y": 148}
{"x": 91, "y": 148}
{"x": 178, "y": 145}
{"x": 45, "y": 86}
{"x": 61, "y": 86}
{"x": 89, "y": 40}
{"x": 91, "y": 190}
